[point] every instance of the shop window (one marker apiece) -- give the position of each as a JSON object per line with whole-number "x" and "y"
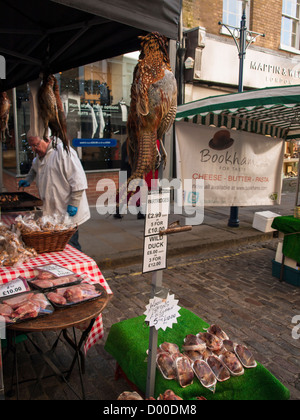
{"x": 232, "y": 14}
{"x": 290, "y": 25}
{"x": 96, "y": 99}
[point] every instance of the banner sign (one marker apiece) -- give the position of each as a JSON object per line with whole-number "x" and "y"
{"x": 238, "y": 168}
{"x": 94, "y": 142}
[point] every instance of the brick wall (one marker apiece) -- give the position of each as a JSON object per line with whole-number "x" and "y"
{"x": 205, "y": 13}
{"x": 11, "y": 184}
{"x": 265, "y": 17}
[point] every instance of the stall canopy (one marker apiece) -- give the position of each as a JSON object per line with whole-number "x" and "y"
{"x": 272, "y": 111}
{"x": 57, "y": 35}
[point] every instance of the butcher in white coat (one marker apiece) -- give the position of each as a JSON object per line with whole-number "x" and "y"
{"x": 59, "y": 175}
{"x": 61, "y": 182}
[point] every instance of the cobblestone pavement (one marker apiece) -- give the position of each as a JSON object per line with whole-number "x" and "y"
{"x": 233, "y": 288}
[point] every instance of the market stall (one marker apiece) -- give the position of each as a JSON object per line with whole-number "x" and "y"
{"x": 287, "y": 269}
{"x": 63, "y": 322}
{"x": 52, "y": 277}
{"x": 254, "y": 384}
{"x": 266, "y": 118}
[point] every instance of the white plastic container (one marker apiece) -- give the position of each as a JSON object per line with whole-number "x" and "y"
{"x": 263, "y": 221}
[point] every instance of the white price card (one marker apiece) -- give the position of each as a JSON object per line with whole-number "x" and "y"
{"x": 162, "y": 313}
{"x": 13, "y": 287}
{"x": 56, "y": 270}
{"x": 155, "y": 253}
{"x": 157, "y": 215}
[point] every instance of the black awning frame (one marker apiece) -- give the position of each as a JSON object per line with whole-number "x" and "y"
{"x": 57, "y": 35}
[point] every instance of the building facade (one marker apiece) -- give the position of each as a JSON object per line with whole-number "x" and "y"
{"x": 96, "y": 97}
{"x": 212, "y": 57}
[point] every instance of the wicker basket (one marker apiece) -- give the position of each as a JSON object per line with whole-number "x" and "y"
{"x": 48, "y": 241}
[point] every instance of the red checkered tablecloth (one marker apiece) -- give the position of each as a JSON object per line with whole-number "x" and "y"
{"x": 72, "y": 259}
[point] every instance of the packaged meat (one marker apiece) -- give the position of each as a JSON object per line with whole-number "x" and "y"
{"x": 13, "y": 251}
{"x": 216, "y": 330}
{"x": 55, "y": 270}
{"x": 193, "y": 343}
{"x": 232, "y": 363}
{"x": 46, "y": 282}
{"x": 193, "y": 355}
{"x": 212, "y": 342}
{"x": 165, "y": 364}
{"x": 25, "y": 306}
{"x": 169, "y": 395}
{"x": 245, "y": 356}
{"x": 185, "y": 373}
{"x": 56, "y": 298}
{"x": 204, "y": 374}
{"x": 219, "y": 369}
{"x": 18, "y": 300}
{"x": 169, "y": 348}
{"x": 74, "y": 295}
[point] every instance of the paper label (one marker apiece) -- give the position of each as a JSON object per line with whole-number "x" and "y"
{"x": 162, "y": 313}
{"x": 13, "y": 287}
{"x": 155, "y": 246}
{"x": 56, "y": 270}
{"x": 155, "y": 253}
{"x": 157, "y": 213}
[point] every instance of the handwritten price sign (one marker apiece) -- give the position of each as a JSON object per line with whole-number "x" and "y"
{"x": 162, "y": 313}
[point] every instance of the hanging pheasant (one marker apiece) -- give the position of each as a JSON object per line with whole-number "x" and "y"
{"x": 5, "y": 105}
{"x": 52, "y": 111}
{"x": 153, "y": 107}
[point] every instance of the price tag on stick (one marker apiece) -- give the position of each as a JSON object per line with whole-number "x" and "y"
{"x": 157, "y": 218}
{"x": 162, "y": 313}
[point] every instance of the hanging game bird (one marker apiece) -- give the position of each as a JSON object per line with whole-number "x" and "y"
{"x": 152, "y": 109}
{"x": 52, "y": 111}
{"x": 4, "y": 115}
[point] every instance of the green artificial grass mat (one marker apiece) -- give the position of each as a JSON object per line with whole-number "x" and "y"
{"x": 128, "y": 342}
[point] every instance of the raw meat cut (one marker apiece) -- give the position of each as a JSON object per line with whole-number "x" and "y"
{"x": 185, "y": 373}
{"x": 220, "y": 371}
{"x": 204, "y": 374}
{"x": 165, "y": 363}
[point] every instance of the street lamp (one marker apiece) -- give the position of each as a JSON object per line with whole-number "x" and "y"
{"x": 243, "y": 39}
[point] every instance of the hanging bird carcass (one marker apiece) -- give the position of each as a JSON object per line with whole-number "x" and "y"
{"x": 5, "y": 105}
{"x": 52, "y": 112}
{"x": 153, "y": 108}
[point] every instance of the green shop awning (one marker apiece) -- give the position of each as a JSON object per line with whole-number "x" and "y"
{"x": 273, "y": 111}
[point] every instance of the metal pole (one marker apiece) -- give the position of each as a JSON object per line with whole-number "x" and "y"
{"x": 157, "y": 280}
{"x": 1, "y": 376}
{"x": 234, "y": 211}
{"x": 16, "y": 130}
{"x": 298, "y": 181}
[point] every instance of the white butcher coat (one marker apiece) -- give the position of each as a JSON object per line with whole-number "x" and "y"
{"x": 57, "y": 175}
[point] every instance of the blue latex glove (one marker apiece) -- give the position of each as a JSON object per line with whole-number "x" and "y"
{"x": 23, "y": 183}
{"x": 72, "y": 211}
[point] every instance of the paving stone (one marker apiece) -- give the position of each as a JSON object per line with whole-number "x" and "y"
{"x": 234, "y": 288}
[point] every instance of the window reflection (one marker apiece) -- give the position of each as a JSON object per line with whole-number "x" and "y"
{"x": 96, "y": 98}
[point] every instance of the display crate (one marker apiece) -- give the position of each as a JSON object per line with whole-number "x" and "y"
{"x": 290, "y": 275}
